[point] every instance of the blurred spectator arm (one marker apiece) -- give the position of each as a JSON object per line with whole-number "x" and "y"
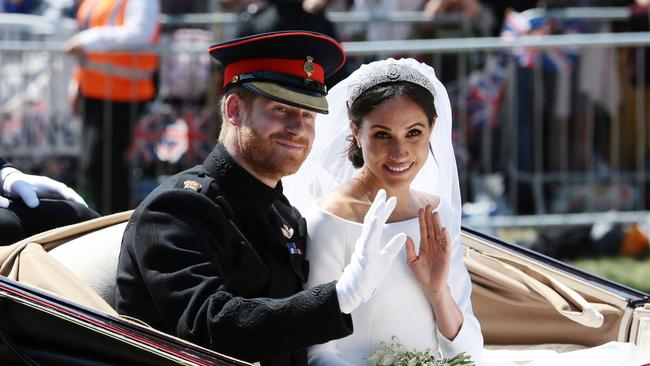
{"x": 470, "y": 8}
{"x": 141, "y": 21}
{"x": 315, "y": 6}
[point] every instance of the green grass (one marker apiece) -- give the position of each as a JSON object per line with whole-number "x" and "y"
{"x": 628, "y": 271}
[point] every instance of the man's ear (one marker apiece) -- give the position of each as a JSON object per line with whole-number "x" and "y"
{"x": 234, "y": 108}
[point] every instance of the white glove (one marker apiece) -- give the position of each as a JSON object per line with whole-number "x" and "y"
{"x": 30, "y": 187}
{"x": 370, "y": 260}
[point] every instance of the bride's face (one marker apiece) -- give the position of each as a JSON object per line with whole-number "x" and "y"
{"x": 394, "y": 140}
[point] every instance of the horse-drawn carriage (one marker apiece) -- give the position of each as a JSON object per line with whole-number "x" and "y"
{"x": 56, "y": 296}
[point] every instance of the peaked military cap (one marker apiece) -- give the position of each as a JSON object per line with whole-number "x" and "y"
{"x": 289, "y": 67}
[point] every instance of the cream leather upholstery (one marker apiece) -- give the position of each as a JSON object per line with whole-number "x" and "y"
{"x": 93, "y": 258}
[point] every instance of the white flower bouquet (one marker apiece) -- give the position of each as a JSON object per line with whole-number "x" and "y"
{"x": 396, "y": 354}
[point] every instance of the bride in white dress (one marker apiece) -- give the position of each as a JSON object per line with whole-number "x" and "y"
{"x": 398, "y": 146}
{"x": 400, "y": 122}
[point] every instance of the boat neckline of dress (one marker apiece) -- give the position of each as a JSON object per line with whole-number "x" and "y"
{"x": 387, "y": 223}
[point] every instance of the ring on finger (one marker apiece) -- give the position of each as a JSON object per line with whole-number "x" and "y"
{"x": 441, "y": 241}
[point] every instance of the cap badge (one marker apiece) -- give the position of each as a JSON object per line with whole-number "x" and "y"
{"x": 309, "y": 66}
{"x": 235, "y": 79}
{"x": 192, "y": 184}
{"x": 287, "y": 231}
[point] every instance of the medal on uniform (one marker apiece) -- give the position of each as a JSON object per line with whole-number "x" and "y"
{"x": 293, "y": 248}
{"x": 287, "y": 231}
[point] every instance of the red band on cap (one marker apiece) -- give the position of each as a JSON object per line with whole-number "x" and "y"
{"x": 278, "y": 65}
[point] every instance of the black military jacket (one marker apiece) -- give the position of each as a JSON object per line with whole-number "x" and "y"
{"x": 4, "y": 163}
{"x": 216, "y": 257}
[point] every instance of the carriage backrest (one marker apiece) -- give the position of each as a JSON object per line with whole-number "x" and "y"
{"x": 515, "y": 302}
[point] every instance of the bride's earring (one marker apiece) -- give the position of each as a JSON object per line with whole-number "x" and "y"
{"x": 358, "y": 143}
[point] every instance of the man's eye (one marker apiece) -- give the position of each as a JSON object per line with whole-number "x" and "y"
{"x": 280, "y": 108}
{"x": 308, "y": 115}
{"x": 413, "y": 133}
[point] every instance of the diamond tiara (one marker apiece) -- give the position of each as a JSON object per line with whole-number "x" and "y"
{"x": 379, "y": 73}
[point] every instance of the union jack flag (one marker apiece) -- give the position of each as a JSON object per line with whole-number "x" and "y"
{"x": 485, "y": 96}
{"x": 199, "y": 143}
{"x": 145, "y": 137}
{"x": 478, "y": 98}
{"x": 173, "y": 143}
{"x": 172, "y": 135}
{"x": 522, "y": 24}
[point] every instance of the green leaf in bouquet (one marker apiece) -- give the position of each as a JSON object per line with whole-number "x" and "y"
{"x": 396, "y": 354}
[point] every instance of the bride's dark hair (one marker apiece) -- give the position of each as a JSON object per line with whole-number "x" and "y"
{"x": 375, "y": 96}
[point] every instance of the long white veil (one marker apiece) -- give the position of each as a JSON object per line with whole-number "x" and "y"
{"x": 328, "y": 166}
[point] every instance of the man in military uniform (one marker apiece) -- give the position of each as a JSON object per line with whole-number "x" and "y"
{"x": 215, "y": 255}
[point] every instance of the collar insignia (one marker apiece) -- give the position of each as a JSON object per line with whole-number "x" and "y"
{"x": 193, "y": 185}
{"x": 287, "y": 231}
{"x": 309, "y": 66}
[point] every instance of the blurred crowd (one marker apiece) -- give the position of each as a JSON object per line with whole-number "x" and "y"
{"x": 487, "y": 16}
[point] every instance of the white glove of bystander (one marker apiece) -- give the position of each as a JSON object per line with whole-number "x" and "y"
{"x": 30, "y": 187}
{"x": 370, "y": 260}
{"x": 4, "y": 203}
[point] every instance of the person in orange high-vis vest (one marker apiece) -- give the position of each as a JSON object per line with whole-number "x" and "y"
{"x": 112, "y": 84}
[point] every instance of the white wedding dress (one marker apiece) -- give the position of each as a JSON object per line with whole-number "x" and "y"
{"x": 399, "y": 307}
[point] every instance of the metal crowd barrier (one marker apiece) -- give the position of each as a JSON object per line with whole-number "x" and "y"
{"x": 606, "y": 14}
{"x": 607, "y": 171}
{"x": 522, "y": 161}
{"x": 35, "y": 118}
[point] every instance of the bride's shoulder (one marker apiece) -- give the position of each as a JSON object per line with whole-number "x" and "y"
{"x": 342, "y": 203}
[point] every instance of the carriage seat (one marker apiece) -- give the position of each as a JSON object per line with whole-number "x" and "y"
{"x": 93, "y": 258}
{"x": 91, "y": 251}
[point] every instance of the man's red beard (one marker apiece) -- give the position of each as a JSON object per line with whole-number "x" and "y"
{"x": 266, "y": 158}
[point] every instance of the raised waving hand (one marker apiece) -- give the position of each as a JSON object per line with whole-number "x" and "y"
{"x": 431, "y": 266}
